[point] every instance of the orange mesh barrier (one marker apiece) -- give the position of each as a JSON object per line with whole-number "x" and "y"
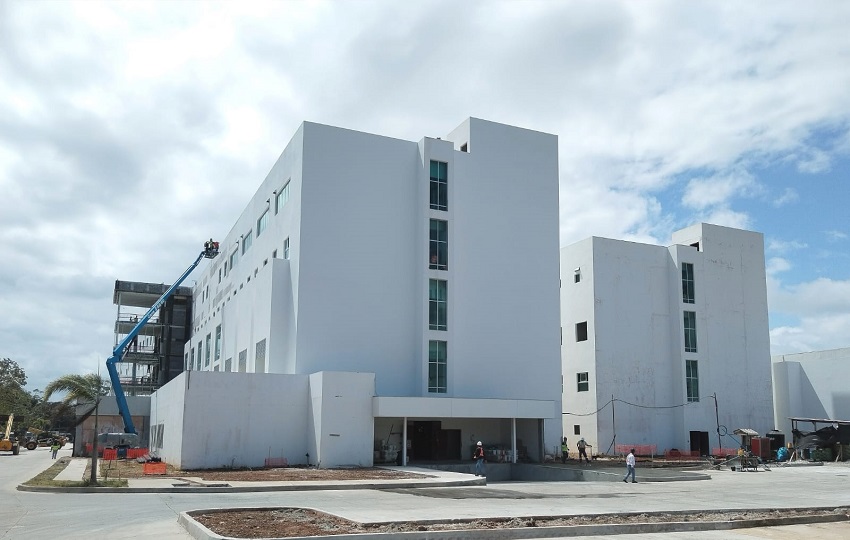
{"x": 640, "y": 449}
{"x": 152, "y": 467}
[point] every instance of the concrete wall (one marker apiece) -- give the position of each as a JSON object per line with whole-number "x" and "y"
{"x": 811, "y": 385}
{"x": 342, "y": 426}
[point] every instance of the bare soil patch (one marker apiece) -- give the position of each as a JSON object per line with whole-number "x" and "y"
{"x": 293, "y": 522}
{"x": 132, "y": 469}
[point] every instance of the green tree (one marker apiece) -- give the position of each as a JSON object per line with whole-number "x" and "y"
{"x": 13, "y": 398}
{"x": 88, "y": 388}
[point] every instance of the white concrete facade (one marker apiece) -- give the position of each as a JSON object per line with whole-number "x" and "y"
{"x": 811, "y": 385}
{"x": 632, "y": 299}
{"x": 336, "y": 277}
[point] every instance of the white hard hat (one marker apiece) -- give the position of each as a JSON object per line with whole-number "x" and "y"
{"x": 479, "y": 443}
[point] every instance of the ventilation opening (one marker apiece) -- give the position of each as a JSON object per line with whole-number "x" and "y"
{"x": 464, "y": 147}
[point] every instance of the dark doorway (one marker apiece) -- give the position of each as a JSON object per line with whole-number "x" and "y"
{"x": 699, "y": 443}
{"x": 431, "y": 443}
{"x": 425, "y": 440}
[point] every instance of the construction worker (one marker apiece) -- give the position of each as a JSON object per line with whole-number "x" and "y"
{"x": 478, "y": 456}
{"x": 582, "y": 450}
{"x": 565, "y": 450}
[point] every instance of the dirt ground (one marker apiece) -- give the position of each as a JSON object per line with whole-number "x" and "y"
{"x": 289, "y": 522}
{"x": 132, "y": 469}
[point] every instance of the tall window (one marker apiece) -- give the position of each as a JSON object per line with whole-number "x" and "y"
{"x": 192, "y": 356}
{"x": 234, "y": 258}
{"x": 260, "y": 357}
{"x": 282, "y": 197}
{"x": 207, "y": 351}
{"x": 581, "y": 331}
{"x": 582, "y": 382}
{"x": 186, "y": 364}
{"x": 692, "y": 380}
{"x": 437, "y": 383}
{"x": 286, "y": 249}
{"x": 262, "y": 223}
{"x": 243, "y": 360}
{"x": 218, "y": 342}
{"x": 247, "y": 240}
{"x": 439, "y": 186}
{"x": 690, "y": 331}
{"x": 439, "y": 248}
{"x": 437, "y": 318}
{"x": 688, "y": 283}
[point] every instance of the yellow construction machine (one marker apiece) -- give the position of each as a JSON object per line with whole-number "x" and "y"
{"x": 9, "y": 442}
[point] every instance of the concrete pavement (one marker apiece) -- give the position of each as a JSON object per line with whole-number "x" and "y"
{"x": 133, "y": 515}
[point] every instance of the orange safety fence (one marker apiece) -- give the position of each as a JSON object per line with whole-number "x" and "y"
{"x": 681, "y": 454}
{"x": 154, "y": 467}
{"x": 723, "y": 452}
{"x": 276, "y": 462}
{"x": 640, "y": 449}
{"x": 109, "y": 454}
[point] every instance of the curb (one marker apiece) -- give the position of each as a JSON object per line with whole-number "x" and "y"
{"x": 200, "y": 532}
{"x": 250, "y": 489}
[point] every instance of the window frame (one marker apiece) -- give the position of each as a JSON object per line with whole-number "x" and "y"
{"x": 282, "y": 197}
{"x": 581, "y": 331}
{"x": 692, "y": 380}
{"x": 437, "y": 367}
{"x": 263, "y": 223}
{"x": 247, "y": 241}
{"x": 217, "y": 354}
{"x": 688, "y": 285}
{"x": 438, "y": 244}
{"x": 583, "y": 379}
{"x": 438, "y": 292}
{"x": 439, "y": 185}
{"x": 690, "y": 331}
{"x": 286, "y": 248}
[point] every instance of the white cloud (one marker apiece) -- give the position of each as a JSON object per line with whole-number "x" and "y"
{"x": 776, "y": 265}
{"x": 788, "y": 196}
{"x": 836, "y": 235}
{"x": 781, "y": 246}
{"x": 146, "y": 127}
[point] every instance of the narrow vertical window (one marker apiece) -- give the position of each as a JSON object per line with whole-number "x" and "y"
{"x": 286, "y": 249}
{"x": 207, "y": 351}
{"x": 437, "y": 383}
{"x": 260, "y": 357}
{"x": 247, "y": 240}
{"x": 577, "y": 275}
{"x": 439, "y": 186}
{"x": 186, "y": 362}
{"x": 582, "y": 382}
{"x": 437, "y": 318}
{"x": 439, "y": 245}
{"x": 262, "y": 223}
{"x": 228, "y": 365}
{"x": 690, "y": 331}
{"x": 234, "y": 258}
{"x": 692, "y": 380}
{"x": 281, "y": 198}
{"x": 243, "y": 360}
{"x": 218, "y": 342}
{"x": 687, "y": 283}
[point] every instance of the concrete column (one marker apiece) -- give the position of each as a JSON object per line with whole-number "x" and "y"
{"x": 404, "y": 442}
{"x": 513, "y": 440}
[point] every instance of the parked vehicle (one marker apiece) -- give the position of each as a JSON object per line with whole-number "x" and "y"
{"x": 9, "y": 442}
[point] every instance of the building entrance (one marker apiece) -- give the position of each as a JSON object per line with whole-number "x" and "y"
{"x": 699, "y": 443}
{"x": 429, "y": 442}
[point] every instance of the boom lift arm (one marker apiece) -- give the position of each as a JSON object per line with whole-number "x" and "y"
{"x": 210, "y": 252}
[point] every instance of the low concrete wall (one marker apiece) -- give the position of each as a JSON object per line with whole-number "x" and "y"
{"x": 532, "y": 472}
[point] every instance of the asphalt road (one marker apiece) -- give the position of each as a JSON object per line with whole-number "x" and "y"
{"x": 68, "y": 515}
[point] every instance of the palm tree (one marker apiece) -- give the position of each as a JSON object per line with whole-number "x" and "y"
{"x": 88, "y": 388}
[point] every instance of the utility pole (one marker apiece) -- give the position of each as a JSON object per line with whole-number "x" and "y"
{"x": 613, "y": 426}
{"x": 717, "y": 420}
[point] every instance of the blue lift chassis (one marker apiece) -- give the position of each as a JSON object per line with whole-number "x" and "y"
{"x": 210, "y": 252}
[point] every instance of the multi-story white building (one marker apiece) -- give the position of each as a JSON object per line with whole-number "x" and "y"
{"x": 650, "y": 334}
{"x": 430, "y": 268}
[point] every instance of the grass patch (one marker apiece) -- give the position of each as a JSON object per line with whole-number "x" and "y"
{"x": 46, "y": 478}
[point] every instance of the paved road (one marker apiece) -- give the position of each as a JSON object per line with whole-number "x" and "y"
{"x": 43, "y": 515}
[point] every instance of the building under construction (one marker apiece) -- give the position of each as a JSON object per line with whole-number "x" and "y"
{"x": 156, "y": 355}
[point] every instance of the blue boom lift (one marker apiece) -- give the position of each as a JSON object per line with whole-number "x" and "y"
{"x": 210, "y": 252}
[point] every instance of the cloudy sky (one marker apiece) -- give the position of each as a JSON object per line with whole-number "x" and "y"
{"x": 130, "y": 132}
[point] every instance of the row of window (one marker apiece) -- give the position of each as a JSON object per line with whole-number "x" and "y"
{"x": 438, "y": 259}
{"x": 691, "y": 381}
{"x": 247, "y": 240}
{"x": 259, "y": 358}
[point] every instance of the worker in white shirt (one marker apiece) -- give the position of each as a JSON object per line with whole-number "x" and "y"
{"x": 630, "y": 467}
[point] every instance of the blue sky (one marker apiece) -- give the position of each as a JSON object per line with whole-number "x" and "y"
{"x": 130, "y": 132}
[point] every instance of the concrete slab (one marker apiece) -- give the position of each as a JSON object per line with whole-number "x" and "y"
{"x": 74, "y": 471}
